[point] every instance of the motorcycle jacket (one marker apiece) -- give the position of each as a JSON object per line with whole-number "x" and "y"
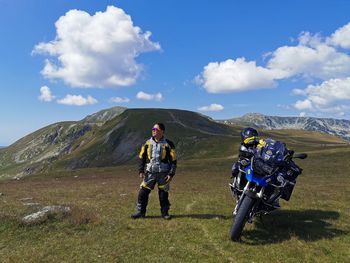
{"x": 158, "y": 157}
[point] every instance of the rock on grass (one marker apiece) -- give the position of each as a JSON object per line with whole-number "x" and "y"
{"x": 46, "y": 213}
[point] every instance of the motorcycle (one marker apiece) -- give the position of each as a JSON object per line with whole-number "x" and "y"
{"x": 270, "y": 175}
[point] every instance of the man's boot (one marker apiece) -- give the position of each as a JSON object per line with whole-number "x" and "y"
{"x": 142, "y": 202}
{"x": 164, "y": 204}
{"x": 137, "y": 215}
{"x": 166, "y": 215}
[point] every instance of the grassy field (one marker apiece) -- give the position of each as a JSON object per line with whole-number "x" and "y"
{"x": 314, "y": 226}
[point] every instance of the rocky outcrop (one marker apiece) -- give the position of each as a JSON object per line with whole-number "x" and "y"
{"x": 46, "y": 213}
{"x": 340, "y": 128}
{"x": 104, "y": 115}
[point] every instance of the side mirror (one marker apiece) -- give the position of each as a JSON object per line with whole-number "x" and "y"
{"x": 300, "y": 155}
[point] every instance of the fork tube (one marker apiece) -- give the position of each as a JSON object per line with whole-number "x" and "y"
{"x": 246, "y": 187}
{"x": 261, "y": 192}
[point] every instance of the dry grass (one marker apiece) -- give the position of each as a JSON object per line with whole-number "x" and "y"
{"x": 312, "y": 227}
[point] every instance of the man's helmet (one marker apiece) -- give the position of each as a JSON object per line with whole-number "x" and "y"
{"x": 249, "y": 136}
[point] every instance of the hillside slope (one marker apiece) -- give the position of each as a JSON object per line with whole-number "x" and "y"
{"x": 106, "y": 139}
{"x": 119, "y": 140}
{"x": 112, "y": 137}
{"x": 41, "y": 148}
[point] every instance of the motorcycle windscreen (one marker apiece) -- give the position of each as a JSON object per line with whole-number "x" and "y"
{"x": 273, "y": 153}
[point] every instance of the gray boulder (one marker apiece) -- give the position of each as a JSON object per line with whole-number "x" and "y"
{"x": 46, "y": 213}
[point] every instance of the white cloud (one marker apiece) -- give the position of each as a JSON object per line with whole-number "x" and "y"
{"x": 119, "y": 100}
{"x": 326, "y": 96}
{"x": 77, "y": 100}
{"x": 96, "y": 50}
{"x": 303, "y": 105}
{"x": 45, "y": 94}
{"x": 313, "y": 58}
{"x": 212, "y": 107}
{"x": 235, "y": 75}
{"x": 302, "y": 114}
{"x": 145, "y": 96}
{"x": 341, "y": 37}
{"x": 299, "y": 92}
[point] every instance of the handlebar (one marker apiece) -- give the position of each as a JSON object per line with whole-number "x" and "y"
{"x": 300, "y": 155}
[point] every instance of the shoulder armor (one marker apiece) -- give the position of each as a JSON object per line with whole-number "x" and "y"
{"x": 171, "y": 144}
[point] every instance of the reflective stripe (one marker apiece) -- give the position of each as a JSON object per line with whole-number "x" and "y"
{"x": 162, "y": 186}
{"x": 149, "y": 150}
{"x": 145, "y": 186}
{"x": 164, "y": 151}
{"x": 173, "y": 154}
{"x": 249, "y": 139}
{"x": 142, "y": 151}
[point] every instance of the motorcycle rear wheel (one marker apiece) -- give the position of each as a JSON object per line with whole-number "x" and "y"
{"x": 241, "y": 218}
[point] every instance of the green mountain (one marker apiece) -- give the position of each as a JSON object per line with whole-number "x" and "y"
{"x": 109, "y": 137}
{"x": 114, "y": 136}
{"x": 102, "y": 116}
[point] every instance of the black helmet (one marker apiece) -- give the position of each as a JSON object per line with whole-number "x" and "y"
{"x": 249, "y": 136}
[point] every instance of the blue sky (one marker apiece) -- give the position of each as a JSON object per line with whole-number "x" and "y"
{"x": 62, "y": 60}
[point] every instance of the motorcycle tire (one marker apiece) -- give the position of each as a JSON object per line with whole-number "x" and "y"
{"x": 241, "y": 218}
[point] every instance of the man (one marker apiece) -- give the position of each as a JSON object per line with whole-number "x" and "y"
{"x": 157, "y": 165}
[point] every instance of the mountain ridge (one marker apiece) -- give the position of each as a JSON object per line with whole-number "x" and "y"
{"x": 106, "y": 138}
{"x": 336, "y": 127}
{"x": 113, "y": 136}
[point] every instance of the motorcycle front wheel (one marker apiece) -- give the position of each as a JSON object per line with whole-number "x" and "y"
{"x": 241, "y": 218}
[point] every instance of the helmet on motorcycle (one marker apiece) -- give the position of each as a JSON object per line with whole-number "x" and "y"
{"x": 249, "y": 136}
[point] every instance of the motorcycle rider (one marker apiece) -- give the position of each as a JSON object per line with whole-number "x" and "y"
{"x": 157, "y": 164}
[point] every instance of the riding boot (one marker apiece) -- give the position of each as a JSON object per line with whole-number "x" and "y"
{"x": 164, "y": 203}
{"x": 142, "y": 202}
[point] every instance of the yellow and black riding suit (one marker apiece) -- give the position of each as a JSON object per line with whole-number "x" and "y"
{"x": 158, "y": 156}
{"x": 157, "y": 159}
